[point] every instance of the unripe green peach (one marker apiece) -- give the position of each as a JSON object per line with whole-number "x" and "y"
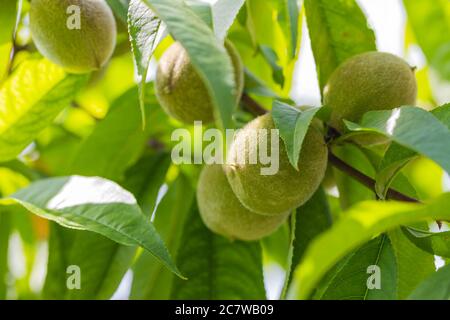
{"x": 286, "y": 189}
{"x": 181, "y": 91}
{"x": 367, "y": 82}
{"x": 79, "y": 35}
{"x": 222, "y": 212}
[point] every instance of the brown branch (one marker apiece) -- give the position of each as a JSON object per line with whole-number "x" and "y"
{"x": 366, "y": 180}
{"x": 252, "y": 106}
{"x": 156, "y": 144}
{"x": 15, "y": 49}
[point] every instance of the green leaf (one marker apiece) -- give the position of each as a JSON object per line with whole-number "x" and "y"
{"x": 272, "y": 59}
{"x": 443, "y": 114}
{"x": 217, "y": 268}
{"x": 437, "y": 243}
{"x": 435, "y": 287}
{"x": 338, "y": 30}
{"x": 122, "y": 140}
{"x": 30, "y": 100}
{"x": 256, "y": 86}
{"x": 102, "y": 265}
{"x": 265, "y": 27}
{"x": 23, "y": 223}
{"x": 5, "y": 53}
{"x": 290, "y": 256}
{"x": 402, "y": 184}
{"x": 21, "y": 168}
{"x": 276, "y": 246}
{"x": 399, "y": 181}
{"x": 348, "y": 280}
{"x": 59, "y": 244}
{"x": 413, "y": 264}
{"x": 413, "y": 128}
{"x": 429, "y": 20}
{"x": 259, "y": 13}
{"x": 395, "y": 159}
{"x": 151, "y": 280}
{"x": 351, "y": 191}
{"x": 97, "y": 205}
{"x": 120, "y": 8}
{"x": 293, "y": 125}
{"x": 289, "y": 18}
{"x": 208, "y": 56}
{"x": 203, "y": 10}
{"x": 146, "y": 32}
{"x": 105, "y": 262}
{"x": 224, "y": 14}
{"x": 357, "y": 226}
{"x": 146, "y": 178}
{"x": 8, "y": 16}
{"x": 324, "y": 113}
{"x": 313, "y": 218}
{"x": 57, "y": 147}
{"x": 120, "y": 137}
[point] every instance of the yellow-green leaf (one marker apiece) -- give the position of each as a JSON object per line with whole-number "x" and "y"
{"x": 359, "y": 225}
{"x": 30, "y": 100}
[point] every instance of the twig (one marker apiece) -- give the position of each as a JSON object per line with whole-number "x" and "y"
{"x": 366, "y": 180}
{"x": 252, "y": 106}
{"x": 12, "y": 55}
{"x": 15, "y": 49}
{"x": 156, "y": 144}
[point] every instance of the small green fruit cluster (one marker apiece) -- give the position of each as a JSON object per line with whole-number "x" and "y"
{"x": 367, "y": 82}
{"x": 80, "y": 43}
{"x": 237, "y": 201}
{"x": 288, "y": 188}
{"x": 223, "y": 213}
{"x": 180, "y": 89}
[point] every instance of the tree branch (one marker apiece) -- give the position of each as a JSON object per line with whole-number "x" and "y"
{"x": 252, "y": 106}
{"x": 366, "y": 180}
